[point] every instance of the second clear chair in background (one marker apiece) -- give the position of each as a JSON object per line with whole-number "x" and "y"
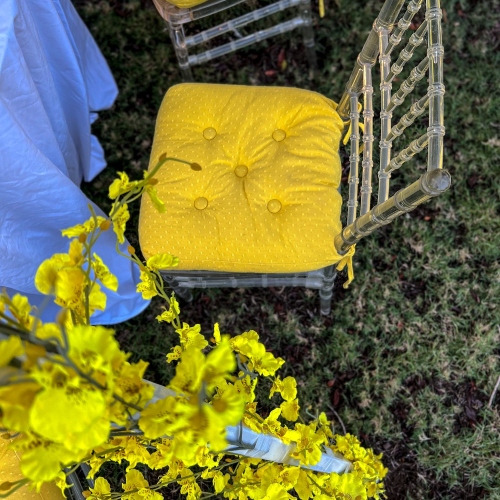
{"x": 177, "y": 13}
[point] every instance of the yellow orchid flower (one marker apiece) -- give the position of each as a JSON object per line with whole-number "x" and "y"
{"x": 86, "y": 228}
{"x": 189, "y": 372}
{"x": 163, "y": 455}
{"x": 308, "y": 449}
{"x": 102, "y": 356}
{"x": 101, "y": 490}
{"x": 286, "y": 387}
{"x": 134, "y": 480}
{"x": 303, "y": 486}
{"x": 276, "y": 492}
{"x": 153, "y": 195}
{"x": 9, "y": 349}
{"x": 220, "y": 481}
{"x": 21, "y": 309}
{"x": 171, "y": 313}
{"x": 103, "y": 274}
{"x": 246, "y": 387}
{"x": 130, "y": 384}
{"x": 289, "y": 476}
{"x": 347, "y": 484}
{"x": 175, "y": 354}
{"x": 228, "y": 409}
{"x": 290, "y": 410}
{"x": 155, "y": 417}
{"x": 161, "y": 261}
{"x": 42, "y": 460}
{"x": 119, "y": 219}
{"x": 147, "y": 285}
{"x": 190, "y": 488}
{"x": 16, "y": 401}
{"x": 121, "y": 186}
{"x": 190, "y": 336}
{"x": 71, "y": 292}
{"x": 77, "y": 412}
{"x": 218, "y": 364}
{"x": 76, "y": 254}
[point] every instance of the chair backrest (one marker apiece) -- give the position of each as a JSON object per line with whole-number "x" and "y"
{"x": 381, "y": 43}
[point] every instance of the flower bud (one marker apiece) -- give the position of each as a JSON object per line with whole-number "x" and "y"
{"x": 162, "y": 156}
{"x": 195, "y": 166}
{"x": 131, "y": 250}
{"x": 153, "y": 182}
{"x": 6, "y": 486}
{"x": 105, "y": 225}
{"x": 82, "y": 238}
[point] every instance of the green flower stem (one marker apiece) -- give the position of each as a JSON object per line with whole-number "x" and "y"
{"x": 253, "y": 483}
{"x": 125, "y": 255}
{"x": 125, "y": 433}
{"x": 37, "y": 321}
{"x": 88, "y": 248}
{"x": 15, "y": 486}
{"x": 316, "y": 484}
{"x": 89, "y": 457}
{"x": 15, "y": 382}
{"x": 255, "y": 416}
{"x": 158, "y": 486}
{"x": 160, "y": 164}
{"x": 24, "y": 334}
{"x": 10, "y": 320}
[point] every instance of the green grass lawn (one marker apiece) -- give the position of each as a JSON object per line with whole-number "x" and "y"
{"x": 410, "y": 355}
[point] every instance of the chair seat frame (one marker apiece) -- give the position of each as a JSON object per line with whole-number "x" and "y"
{"x": 182, "y": 282}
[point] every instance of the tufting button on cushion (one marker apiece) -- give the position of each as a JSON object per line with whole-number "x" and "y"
{"x": 201, "y": 203}
{"x": 279, "y": 135}
{"x": 241, "y": 171}
{"x": 274, "y": 206}
{"x": 209, "y": 133}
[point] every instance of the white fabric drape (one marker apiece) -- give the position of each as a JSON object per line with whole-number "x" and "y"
{"x": 53, "y": 80}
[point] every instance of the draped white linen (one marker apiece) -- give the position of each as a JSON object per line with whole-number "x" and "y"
{"x": 53, "y": 80}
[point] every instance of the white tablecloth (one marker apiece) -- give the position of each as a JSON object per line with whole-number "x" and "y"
{"x": 53, "y": 80}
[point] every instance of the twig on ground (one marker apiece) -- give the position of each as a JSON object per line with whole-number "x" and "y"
{"x": 338, "y": 418}
{"x": 493, "y": 394}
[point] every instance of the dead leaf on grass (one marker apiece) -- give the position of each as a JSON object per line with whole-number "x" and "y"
{"x": 494, "y": 142}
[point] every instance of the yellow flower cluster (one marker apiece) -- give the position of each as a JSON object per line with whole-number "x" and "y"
{"x": 61, "y": 388}
{"x": 68, "y": 394}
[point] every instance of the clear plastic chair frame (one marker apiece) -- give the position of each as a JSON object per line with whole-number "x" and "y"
{"x": 382, "y": 40}
{"x": 176, "y": 17}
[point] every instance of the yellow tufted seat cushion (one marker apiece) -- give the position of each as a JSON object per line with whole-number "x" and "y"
{"x": 266, "y": 198}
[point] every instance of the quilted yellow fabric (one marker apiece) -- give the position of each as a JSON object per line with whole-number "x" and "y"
{"x": 266, "y": 198}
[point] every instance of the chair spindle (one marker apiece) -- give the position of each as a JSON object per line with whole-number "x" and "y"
{"x": 367, "y": 164}
{"x": 385, "y": 117}
{"x": 353, "y": 181}
{"x": 435, "y": 53}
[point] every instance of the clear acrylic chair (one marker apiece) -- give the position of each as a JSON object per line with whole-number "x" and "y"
{"x": 177, "y": 13}
{"x": 225, "y": 178}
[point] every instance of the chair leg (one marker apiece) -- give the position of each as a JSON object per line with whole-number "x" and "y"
{"x": 326, "y": 291}
{"x": 183, "y": 293}
{"x": 178, "y": 37}
{"x": 308, "y": 34}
